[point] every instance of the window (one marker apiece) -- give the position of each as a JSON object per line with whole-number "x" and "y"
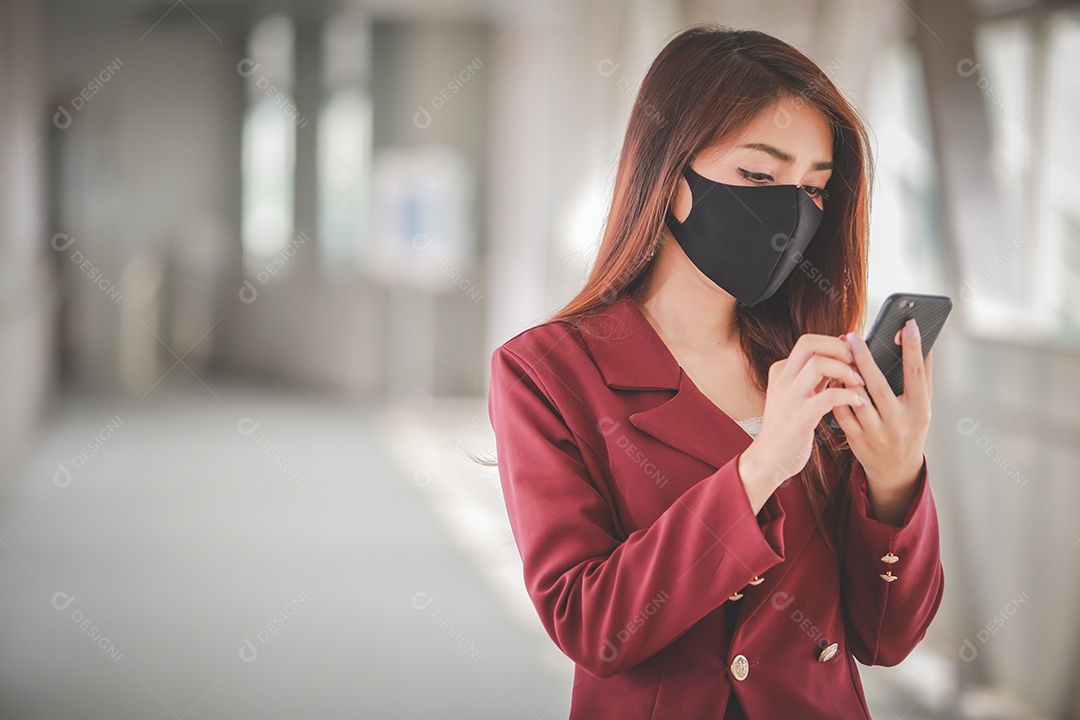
{"x": 345, "y": 136}
{"x": 1027, "y": 283}
{"x": 1031, "y": 285}
{"x": 1057, "y": 212}
{"x": 907, "y": 246}
{"x": 1003, "y": 288}
{"x": 269, "y": 146}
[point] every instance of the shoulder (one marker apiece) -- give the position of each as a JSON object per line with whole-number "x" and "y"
{"x": 563, "y": 360}
{"x": 609, "y": 343}
{"x": 540, "y": 340}
{"x": 552, "y": 346}
{"x": 611, "y": 319}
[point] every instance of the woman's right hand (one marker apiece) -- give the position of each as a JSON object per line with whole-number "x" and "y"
{"x": 797, "y": 397}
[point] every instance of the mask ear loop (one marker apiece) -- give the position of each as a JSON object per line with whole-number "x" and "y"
{"x": 688, "y": 174}
{"x": 682, "y": 173}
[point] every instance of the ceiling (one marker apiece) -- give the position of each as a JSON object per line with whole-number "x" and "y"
{"x": 511, "y": 10}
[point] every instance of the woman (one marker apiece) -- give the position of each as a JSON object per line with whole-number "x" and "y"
{"x": 691, "y": 564}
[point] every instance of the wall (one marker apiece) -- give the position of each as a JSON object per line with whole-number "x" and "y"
{"x": 359, "y": 334}
{"x": 27, "y": 299}
{"x": 145, "y": 189}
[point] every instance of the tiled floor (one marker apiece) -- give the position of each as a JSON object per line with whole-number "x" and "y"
{"x": 247, "y": 552}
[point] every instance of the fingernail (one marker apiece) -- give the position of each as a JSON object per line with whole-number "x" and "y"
{"x": 911, "y": 328}
{"x": 858, "y": 379}
{"x": 859, "y": 400}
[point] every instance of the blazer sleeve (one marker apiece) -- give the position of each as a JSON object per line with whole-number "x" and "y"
{"x": 890, "y": 617}
{"x": 610, "y": 603}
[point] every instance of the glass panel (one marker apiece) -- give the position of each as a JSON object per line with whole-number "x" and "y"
{"x": 345, "y": 137}
{"x": 1003, "y": 287}
{"x": 268, "y": 180}
{"x": 344, "y": 182}
{"x": 269, "y": 146}
{"x": 1059, "y": 202}
{"x": 906, "y": 248}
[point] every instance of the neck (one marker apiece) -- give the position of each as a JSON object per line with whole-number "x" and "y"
{"x": 685, "y": 306}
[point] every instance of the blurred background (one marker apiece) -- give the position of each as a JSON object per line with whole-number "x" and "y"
{"x": 255, "y": 256}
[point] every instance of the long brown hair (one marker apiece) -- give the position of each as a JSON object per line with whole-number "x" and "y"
{"x": 707, "y": 83}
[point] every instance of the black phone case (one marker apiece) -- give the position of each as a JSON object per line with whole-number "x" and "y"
{"x": 929, "y": 312}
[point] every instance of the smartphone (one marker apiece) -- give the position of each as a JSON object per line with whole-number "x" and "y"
{"x": 929, "y": 312}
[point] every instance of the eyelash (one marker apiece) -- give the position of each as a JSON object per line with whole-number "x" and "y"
{"x": 765, "y": 177}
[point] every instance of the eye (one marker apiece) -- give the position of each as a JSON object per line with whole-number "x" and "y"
{"x": 816, "y": 192}
{"x": 759, "y": 178}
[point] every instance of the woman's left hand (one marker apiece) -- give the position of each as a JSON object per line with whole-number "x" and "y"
{"x": 887, "y": 437}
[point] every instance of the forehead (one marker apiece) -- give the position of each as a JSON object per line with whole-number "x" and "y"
{"x": 791, "y": 124}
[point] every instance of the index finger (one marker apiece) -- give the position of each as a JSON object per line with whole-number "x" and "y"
{"x": 811, "y": 344}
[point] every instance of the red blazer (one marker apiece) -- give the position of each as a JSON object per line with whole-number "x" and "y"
{"x": 622, "y": 487}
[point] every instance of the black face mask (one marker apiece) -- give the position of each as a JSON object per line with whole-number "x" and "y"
{"x": 747, "y": 239}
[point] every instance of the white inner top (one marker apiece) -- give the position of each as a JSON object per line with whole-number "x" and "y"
{"x": 751, "y": 425}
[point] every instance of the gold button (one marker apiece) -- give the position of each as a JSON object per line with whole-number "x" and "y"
{"x": 827, "y": 653}
{"x": 736, "y": 596}
{"x": 740, "y": 668}
{"x": 888, "y": 576}
{"x": 757, "y": 580}
{"x": 889, "y": 558}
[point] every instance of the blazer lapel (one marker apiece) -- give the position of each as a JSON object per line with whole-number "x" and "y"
{"x": 632, "y": 356}
{"x": 691, "y": 422}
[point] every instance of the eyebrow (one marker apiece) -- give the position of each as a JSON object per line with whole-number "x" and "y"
{"x": 786, "y": 157}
